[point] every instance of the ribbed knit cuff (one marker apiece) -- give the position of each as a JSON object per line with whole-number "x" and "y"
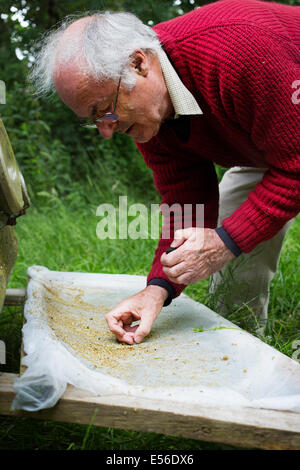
{"x": 228, "y": 241}
{"x": 159, "y": 281}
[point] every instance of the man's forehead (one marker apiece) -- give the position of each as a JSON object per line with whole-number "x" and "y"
{"x": 75, "y": 89}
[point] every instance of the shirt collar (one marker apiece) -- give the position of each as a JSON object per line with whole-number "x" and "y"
{"x": 182, "y": 99}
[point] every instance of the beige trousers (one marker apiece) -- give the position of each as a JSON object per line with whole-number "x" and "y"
{"x": 245, "y": 281}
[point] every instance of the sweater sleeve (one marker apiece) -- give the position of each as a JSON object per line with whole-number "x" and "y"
{"x": 256, "y": 80}
{"x": 180, "y": 181}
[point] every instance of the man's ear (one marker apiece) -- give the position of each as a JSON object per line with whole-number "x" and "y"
{"x": 140, "y": 62}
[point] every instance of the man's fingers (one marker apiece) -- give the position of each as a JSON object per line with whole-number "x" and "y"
{"x": 172, "y": 258}
{"x": 144, "y": 328}
{"x": 195, "y": 234}
{"x": 123, "y": 334}
{"x": 126, "y": 338}
{"x": 119, "y": 323}
{"x": 116, "y": 326}
{"x": 180, "y": 236}
{"x": 175, "y": 257}
{"x": 130, "y": 329}
{"x": 177, "y": 242}
{"x": 175, "y": 271}
{"x": 183, "y": 234}
{"x": 144, "y": 306}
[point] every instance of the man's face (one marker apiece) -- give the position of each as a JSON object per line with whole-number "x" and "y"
{"x": 141, "y": 111}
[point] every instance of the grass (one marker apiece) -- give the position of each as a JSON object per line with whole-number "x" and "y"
{"x": 21, "y": 434}
{"x": 66, "y": 240}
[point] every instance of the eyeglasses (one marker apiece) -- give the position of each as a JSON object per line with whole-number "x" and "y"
{"x": 107, "y": 117}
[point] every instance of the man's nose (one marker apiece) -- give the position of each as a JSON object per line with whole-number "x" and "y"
{"x": 106, "y": 129}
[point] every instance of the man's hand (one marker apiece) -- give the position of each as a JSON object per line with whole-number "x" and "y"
{"x": 200, "y": 253}
{"x": 144, "y": 306}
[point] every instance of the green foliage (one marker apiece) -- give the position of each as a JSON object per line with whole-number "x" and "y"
{"x": 60, "y": 160}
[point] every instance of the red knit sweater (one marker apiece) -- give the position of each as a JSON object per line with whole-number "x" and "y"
{"x": 240, "y": 59}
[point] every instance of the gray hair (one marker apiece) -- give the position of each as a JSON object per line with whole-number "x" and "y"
{"x": 102, "y": 50}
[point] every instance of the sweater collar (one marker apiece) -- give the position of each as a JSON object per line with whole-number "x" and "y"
{"x": 182, "y": 99}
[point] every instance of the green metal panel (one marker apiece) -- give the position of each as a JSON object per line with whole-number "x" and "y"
{"x": 8, "y": 256}
{"x": 13, "y": 202}
{"x": 11, "y": 199}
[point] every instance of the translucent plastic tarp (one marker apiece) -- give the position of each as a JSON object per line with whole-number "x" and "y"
{"x": 67, "y": 341}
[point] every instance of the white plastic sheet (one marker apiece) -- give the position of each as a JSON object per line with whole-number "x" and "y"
{"x": 67, "y": 341}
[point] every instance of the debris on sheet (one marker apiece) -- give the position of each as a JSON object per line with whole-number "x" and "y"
{"x": 67, "y": 340}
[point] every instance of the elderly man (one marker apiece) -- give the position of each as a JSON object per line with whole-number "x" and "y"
{"x": 215, "y": 85}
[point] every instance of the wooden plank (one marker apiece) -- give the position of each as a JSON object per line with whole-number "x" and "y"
{"x": 243, "y": 427}
{"x": 15, "y": 296}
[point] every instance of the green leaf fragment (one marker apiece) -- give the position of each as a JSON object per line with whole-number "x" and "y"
{"x": 199, "y": 330}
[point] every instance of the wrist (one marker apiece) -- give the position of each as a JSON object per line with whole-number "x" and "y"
{"x": 228, "y": 241}
{"x": 158, "y": 292}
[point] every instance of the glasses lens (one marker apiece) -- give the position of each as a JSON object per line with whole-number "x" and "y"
{"x": 89, "y": 124}
{"x": 109, "y": 117}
